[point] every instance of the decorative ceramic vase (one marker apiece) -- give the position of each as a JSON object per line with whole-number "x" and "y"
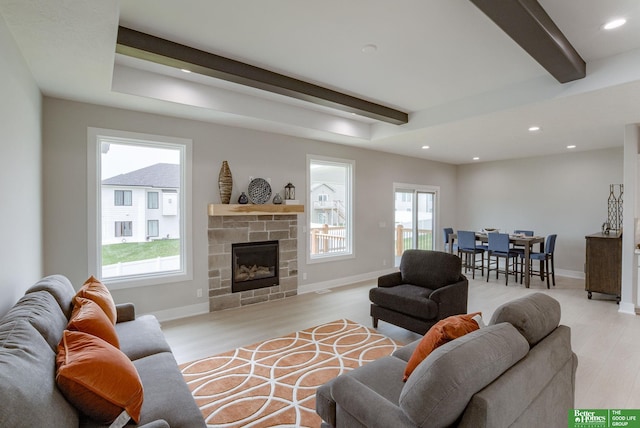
{"x": 225, "y": 183}
{"x": 277, "y": 199}
{"x": 243, "y": 199}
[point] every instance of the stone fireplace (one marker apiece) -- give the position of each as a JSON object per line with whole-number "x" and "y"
{"x": 237, "y": 227}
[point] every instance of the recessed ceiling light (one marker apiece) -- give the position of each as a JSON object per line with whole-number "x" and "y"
{"x": 571, "y": 146}
{"x": 370, "y": 48}
{"x": 534, "y": 128}
{"x": 615, "y": 23}
{"x": 476, "y": 158}
{"x": 184, "y": 70}
{"x": 426, "y": 147}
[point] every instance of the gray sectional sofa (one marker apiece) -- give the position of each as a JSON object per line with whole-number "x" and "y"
{"x": 518, "y": 371}
{"x": 29, "y": 336}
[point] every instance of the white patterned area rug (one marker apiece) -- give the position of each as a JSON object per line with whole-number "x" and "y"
{"x": 273, "y": 383}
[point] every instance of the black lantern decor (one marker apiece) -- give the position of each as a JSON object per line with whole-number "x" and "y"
{"x": 289, "y": 191}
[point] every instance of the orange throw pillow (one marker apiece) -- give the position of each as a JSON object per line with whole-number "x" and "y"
{"x": 94, "y": 290}
{"x": 440, "y": 333}
{"x": 97, "y": 378}
{"x": 88, "y": 317}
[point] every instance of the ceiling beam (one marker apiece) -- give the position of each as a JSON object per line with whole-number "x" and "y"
{"x": 529, "y": 25}
{"x": 150, "y": 48}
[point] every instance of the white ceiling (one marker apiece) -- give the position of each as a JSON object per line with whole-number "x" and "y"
{"x": 468, "y": 88}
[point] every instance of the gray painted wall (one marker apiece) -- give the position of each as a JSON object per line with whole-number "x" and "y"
{"x": 20, "y": 174}
{"x": 564, "y": 194}
{"x": 249, "y": 153}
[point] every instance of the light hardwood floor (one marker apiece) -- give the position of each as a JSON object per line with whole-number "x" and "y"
{"x": 607, "y": 342}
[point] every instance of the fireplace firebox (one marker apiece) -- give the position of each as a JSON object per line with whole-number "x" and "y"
{"x": 254, "y": 265}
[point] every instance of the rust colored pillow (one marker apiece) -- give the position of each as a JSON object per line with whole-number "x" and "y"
{"x": 442, "y": 332}
{"x": 94, "y": 290}
{"x": 97, "y": 378}
{"x": 88, "y": 317}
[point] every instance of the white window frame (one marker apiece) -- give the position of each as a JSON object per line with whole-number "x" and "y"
{"x": 95, "y": 137}
{"x": 349, "y": 253}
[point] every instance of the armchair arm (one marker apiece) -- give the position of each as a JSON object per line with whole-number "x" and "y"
{"x": 390, "y": 280}
{"x": 452, "y": 298}
{"x": 125, "y": 312}
{"x": 367, "y": 406}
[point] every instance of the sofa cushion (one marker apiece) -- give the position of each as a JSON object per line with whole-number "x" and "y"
{"x": 548, "y": 371}
{"x": 43, "y": 312}
{"x": 29, "y": 394}
{"x": 406, "y": 299}
{"x": 94, "y": 290}
{"x": 97, "y": 377}
{"x": 166, "y": 393}
{"x": 535, "y": 316}
{"x": 142, "y": 337}
{"x": 442, "y": 332}
{"x": 89, "y": 318}
{"x": 437, "y": 392}
{"x": 60, "y": 288}
{"x": 430, "y": 269}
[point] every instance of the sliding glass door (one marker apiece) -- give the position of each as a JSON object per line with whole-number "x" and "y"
{"x": 414, "y": 218}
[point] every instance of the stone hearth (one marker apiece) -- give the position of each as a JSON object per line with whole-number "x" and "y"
{"x": 225, "y": 230}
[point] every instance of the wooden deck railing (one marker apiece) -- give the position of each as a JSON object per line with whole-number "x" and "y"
{"x": 331, "y": 239}
{"x": 404, "y": 239}
{"x": 328, "y": 239}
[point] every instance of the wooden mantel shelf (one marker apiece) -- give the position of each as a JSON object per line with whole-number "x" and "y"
{"x": 253, "y": 209}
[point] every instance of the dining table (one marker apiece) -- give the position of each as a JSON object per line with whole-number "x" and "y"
{"x": 516, "y": 239}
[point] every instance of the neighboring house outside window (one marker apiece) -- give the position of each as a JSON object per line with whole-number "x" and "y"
{"x": 155, "y": 187}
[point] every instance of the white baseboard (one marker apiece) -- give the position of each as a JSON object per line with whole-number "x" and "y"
{"x": 203, "y": 308}
{"x": 182, "y": 312}
{"x": 325, "y": 285}
{"x": 570, "y": 273}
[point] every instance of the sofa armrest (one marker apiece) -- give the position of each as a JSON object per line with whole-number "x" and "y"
{"x": 367, "y": 406}
{"x": 125, "y": 312}
{"x": 159, "y": 423}
{"x": 390, "y": 280}
{"x": 452, "y": 298}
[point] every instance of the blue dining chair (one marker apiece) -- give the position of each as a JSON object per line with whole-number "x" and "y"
{"x": 446, "y": 232}
{"x": 520, "y": 248}
{"x": 548, "y": 269}
{"x": 500, "y": 249}
{"x": 523, "y": 232}
{"x": 467, "y": 246}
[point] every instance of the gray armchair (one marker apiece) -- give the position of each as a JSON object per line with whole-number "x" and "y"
{"x": 428, "y": 288}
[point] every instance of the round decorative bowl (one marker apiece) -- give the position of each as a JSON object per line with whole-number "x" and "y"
{"x": 259, "y": 191}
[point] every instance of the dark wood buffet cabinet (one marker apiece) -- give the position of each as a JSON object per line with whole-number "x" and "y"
{"x": 603, "y": 268}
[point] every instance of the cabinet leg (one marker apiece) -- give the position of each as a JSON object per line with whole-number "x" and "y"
{"x": 589, "y": 295}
